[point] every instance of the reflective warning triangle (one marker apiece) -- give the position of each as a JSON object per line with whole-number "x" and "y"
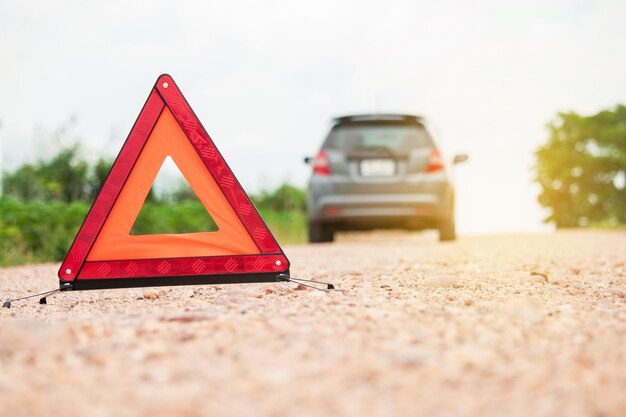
{"x": 104, "y": 254}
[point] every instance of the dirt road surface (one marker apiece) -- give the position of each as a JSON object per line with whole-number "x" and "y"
{"x": 488, "y": 326}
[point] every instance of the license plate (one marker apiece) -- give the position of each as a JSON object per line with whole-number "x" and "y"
{"x": 378, "y": 168}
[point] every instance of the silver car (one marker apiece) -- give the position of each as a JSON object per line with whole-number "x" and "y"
{"x": 379, "y": 171}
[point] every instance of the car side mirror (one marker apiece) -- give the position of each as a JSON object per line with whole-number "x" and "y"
{"x": 307, "y": 159}
{"x": 460, "y": 158}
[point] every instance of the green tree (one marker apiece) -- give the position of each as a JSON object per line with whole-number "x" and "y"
{"x": 98, "y": 177}
{"x": 582, "y": 169}
{"x": 63, "y": 178}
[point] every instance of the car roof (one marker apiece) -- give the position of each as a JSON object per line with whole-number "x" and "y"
{"x": 379, "y": 117}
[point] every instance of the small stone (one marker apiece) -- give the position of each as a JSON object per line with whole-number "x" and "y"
{"x": 149, "y": 295}
{"x": 186, "y": 318}
{"x": 538, "y": 277}
{"x": 300, "y": 287}
{"x": 533, "y": 279}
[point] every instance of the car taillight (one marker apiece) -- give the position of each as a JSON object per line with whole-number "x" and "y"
{"x": 320, "y": 164}
{"x": 434, "y": 162}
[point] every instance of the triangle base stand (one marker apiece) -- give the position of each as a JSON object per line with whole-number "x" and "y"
{"x": 306, "y": 282}
{"x": 166, "y": 281}
{"x": 99, "y": 284}
{"x": 43, "y": 299}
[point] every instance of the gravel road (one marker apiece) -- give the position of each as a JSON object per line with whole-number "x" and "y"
{"x": 524, "y": 325}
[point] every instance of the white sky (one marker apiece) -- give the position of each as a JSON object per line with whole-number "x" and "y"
{"x": 266, "y": 77}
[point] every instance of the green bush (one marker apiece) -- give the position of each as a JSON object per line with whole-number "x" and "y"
{"x": 181, "y": 217}
{"x": 65, "y": 177}
{"x": 285, "y": 198}
{"x": 45, "y": 203}
{"x": 42, "y": 232}
{"x": 34, "y": 231}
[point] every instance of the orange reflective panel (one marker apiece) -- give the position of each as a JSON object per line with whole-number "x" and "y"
{"x": 115, "y": 241}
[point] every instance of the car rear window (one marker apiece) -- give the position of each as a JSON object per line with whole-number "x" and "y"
{"x": 397, "y": 138}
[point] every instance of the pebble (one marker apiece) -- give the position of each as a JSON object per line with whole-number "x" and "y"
{"x": 538, "y": 277}
{"x": 187, "y": 318}
{"x": 353, "y": 272}
{"x": 153, "y": 295}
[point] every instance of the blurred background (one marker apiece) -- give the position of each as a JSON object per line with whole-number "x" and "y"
{"x": 530, "y": 91}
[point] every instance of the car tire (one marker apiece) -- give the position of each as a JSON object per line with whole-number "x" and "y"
{"x": 320, "y": 233}
{"x": 447, "y": 229}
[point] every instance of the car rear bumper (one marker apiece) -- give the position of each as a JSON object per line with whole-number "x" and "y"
{"x": 418, "y": 202}
{"x": 373, "y": 205}
{"x": 374, "y": 210}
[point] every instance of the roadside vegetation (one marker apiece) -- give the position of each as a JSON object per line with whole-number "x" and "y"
{"x": 43, "y": 205}
{"x": 582, "y": 169}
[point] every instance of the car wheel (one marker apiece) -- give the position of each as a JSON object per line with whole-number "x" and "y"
{"x": 447, "y": 229}
{"x": 320, "y": 233}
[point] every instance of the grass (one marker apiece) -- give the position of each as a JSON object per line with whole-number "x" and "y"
{"x": 286, "y": 226}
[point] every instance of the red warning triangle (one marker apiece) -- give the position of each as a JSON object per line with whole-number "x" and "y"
{"x": 105, "y": 255}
